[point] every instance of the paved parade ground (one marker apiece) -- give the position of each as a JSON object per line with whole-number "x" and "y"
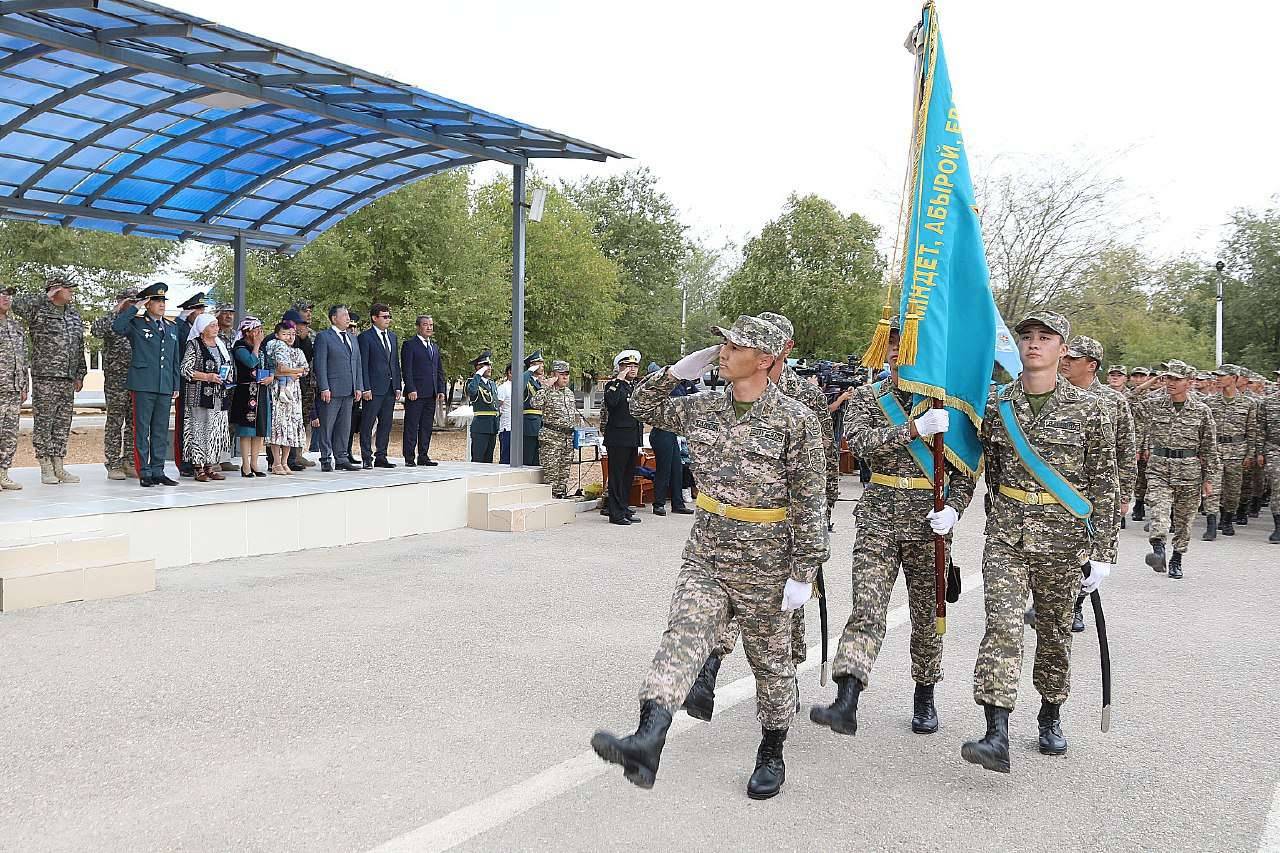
{"x": 440, "y": 691}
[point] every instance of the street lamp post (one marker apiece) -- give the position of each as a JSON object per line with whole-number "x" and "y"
{"x": 1219, "y": 266}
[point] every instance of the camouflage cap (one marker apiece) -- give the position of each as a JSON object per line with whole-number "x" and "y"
{"x": 57, "y": 281}
{"x": 1203, "y": 375}
{"x": 1118, "y": 368}
{"x": 1140, "y": 371}
{"x": 559, "y": 367}
{"x": 303, "y": 305}
{"x": 752, "y": 332}
{"x": 1085, "y": 347}
{"x": 783, "y": 324}
{"x": 1177, "y": 369}
{"x": 130, "y": 293}
{"x": 1051, "y": 320}
{"x": 223, "y": 306}
{"x": 9, "y": 291}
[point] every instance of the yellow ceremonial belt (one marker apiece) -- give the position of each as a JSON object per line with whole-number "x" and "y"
{"x": 478, "y": 414}
{"x": 533, "y": 411}
{"x": 1032, "y": 498}
{"x": 740, "y": 513}
{"x": 896, "y": 482}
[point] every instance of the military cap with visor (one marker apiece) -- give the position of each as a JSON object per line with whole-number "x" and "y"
{"x": 159, "y": 290}
{"x": 533, "y": 358}
{"x": 1082, "y": 346}
{"x": 752, "y": 333}
{"x": 1051, "y": 320}
{"x": 783, "y": 324}
{"x": 1176, "y": 369}
{"x": 482, "y": 359}
{"x": 196, "y": 301}
{"x": 559, "y": 367}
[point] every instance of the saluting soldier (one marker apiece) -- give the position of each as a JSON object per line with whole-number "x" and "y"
{"x": 896, "y": 528}
{"x": 483, "y": 396}
{"x": 153, "y": 379}
{"x": 623, "y": 437}
{"x": 13, "y": 385}
{"x": 58, "y": 369}
{"x": 532, "y": 384}
{"x": 117, "y": 352}
{"x": 559, "y": 417}
{"x": 1050, "y": 459}
{"x": 1235, "y": 418}
{"x": 758, "y": 538}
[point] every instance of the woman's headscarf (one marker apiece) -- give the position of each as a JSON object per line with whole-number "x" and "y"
{"x": 248, "y": 324}
{"x": 201, "y": 323}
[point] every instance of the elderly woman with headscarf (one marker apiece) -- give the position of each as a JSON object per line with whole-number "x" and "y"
{"x": 251, "y": 402}
{"x": 288, "y": 428}
{"x": 206, "y": 367}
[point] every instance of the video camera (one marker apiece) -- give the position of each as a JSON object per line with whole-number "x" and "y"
{"x": 834, "y": 377}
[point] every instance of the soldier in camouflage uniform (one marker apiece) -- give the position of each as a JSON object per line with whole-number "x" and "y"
{"x": 1255, "y": 480}
{"x": 1137, "y": 405}
{"x": 757, "y": 541}
{"x": 13, "y": 385}
{"x": 57, "y": 372}
{"x": 1182, "y": 462}
{"x": 559, "y": 417}
{"x": 896, "y": 528}
{"x": 1034, "y": 544}
{"x": 1235, "y": 419}
{"x": 117, "y": 353}
{"x": 1269, "y": 426}
{"x": 700, "y": 703}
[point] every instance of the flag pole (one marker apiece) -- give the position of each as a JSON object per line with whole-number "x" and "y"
{"x": 939, "y": 543}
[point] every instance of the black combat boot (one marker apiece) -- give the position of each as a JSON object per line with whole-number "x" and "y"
{"x": 924, "y": 716}
{"x": 841, "y": 715}
{"x": 1210, "y": 527}
{"x": 1225, "y": 527}
{"x": 770, "y": 772}
{"x": 1077, "y": 615}
{"x": 1156, "y": 559}
{"x": 638, "y": 753}
{"x": 1051, "y": 740}
{"x": 1275, "y": 534}
{"x": 1242, "y": 513}
{"x": 992, "y": 752}
{"x": 1175, "y": 565}
{"x": 1139, "y": 510}
{"x": 701, "y": 700}
{"x": 1255, "y": 507}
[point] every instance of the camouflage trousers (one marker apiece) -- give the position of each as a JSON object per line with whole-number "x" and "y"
{"x": 1140, "y": 485}
{"x": 51, "y": 406}
{"x": 1227, "y": 484}
{"x": 742, "y": 579}
{"x": 876, "y": 559}
{"x": 728, "y": 638}
{"x": 1008, "y": 574}
{"x": 1255, "y": 484}
{"x": 117, "y": 438}
{"x": 1271, "y": 479}
{"x": 1173, "y": 508}
{"x": 555, "y": 454}
{"x": 10, "y": 406}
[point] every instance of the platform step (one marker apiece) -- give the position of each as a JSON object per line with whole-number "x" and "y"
{"x": 21, "y": 588}
{"x": 525, "y": 517}
{"x": 502, "y": 476}
{"x": 481, "y": 501}
{"x": 80, "y": 551}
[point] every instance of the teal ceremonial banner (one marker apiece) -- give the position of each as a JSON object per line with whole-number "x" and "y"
{"x": 948, "y": 342}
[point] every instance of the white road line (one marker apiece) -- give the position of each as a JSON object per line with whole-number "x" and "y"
{"x": 447, "y": 832}
{"x": 1270, "y": 842}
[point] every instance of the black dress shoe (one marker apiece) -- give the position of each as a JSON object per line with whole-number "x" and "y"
{"x": 624, "y": 522}
{"x": 325, "y": 465}
{"x": 367, "y": 465}
{"x": 146, "y": 482}
{"x": 259, "y": 473}
{"x": 429, "y": 463}
{"x": 409, "y": 463}
{"x": 294, "y": 466}
{"x": 659, "y": 510}
{"x": 347, "y": 466}
{"x": 633, "y": 519}
{"x": 382, "y": 463}
{"x": 165, "y": 481}
{"x": 682, "y": 510}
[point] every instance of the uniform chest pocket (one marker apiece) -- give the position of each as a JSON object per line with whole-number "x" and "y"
{"x": 703, "y": 436}
{"x": 764, "y": 443}
{"x": 1060, "y": 434}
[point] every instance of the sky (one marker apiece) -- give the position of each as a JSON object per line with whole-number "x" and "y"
{"x": 736, "y": 105}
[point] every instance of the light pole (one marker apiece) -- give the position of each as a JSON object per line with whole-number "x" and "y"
{"x": 1219, "y": 266}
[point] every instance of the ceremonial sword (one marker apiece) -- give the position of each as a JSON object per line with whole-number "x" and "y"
{"x": 1104, "y": 652}
{"x": 822, "y": 621}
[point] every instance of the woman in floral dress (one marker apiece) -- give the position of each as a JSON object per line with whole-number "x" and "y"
{"x": 288, "y": 428}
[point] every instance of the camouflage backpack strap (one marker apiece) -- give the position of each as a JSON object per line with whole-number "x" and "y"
{"x": 1043, "y": 473}
{"x": 897, "y": 416}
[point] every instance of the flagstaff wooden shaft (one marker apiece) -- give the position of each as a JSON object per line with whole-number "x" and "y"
{"x": 939, "y": 542}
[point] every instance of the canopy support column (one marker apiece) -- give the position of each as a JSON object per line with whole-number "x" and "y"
{"x": 517, "y": 316}
{"x": 239, "y": 267}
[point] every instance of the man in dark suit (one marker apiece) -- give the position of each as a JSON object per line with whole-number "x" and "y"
{"x": 380, "y": 358}
{"x": 423, "y": 372}
{"x": 623, "y": 436}
{"x": 338, "y": 379}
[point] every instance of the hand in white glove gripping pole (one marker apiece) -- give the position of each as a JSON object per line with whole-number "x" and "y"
{"x": 933, "y": 422}
{"x": 795, "y": 594}
{"x": 693, "y": 365}
{"x": 942, "y": 520}
{"x": 1098, "y": 572}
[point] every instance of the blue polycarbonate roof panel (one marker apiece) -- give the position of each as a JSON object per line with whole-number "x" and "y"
{"x": 172, "y": 136}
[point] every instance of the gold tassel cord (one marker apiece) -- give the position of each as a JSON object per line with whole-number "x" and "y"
{"x": 909, "y": 346}
{"x": 878, "y": 350}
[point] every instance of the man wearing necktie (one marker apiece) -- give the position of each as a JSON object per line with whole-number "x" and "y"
{"x": 339, "y": 377}
{"x": 423, "y": 372}
{"x": 380, "y": 360}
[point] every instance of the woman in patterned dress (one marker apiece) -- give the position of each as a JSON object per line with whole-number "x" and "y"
{"x": 288, "y": 428}
{"x": 251, "y": 401}
{"x": 206, "y": 365}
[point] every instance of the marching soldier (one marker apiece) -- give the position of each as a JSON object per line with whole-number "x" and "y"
{"x": 13, "y": 385}
{"x": 1254, "y": 487}
{"x": 483, "y": 396}
{"x": 117, "y": 437}
{"x": 1235, "y": 419}
{"x": 896, "y": 526}
{"x": 531, "y": 382}
{"x": 58, "y": 369}
{"x": 153, "y": 379}
{"x": 1137, "y": 405}
{"x": 757, "y": 541}
{"x": 559, "y": 417}
{"x": 1182, "y": 458}
{"x": 1269, "y": 426}
{"x": 1051, "y": 471}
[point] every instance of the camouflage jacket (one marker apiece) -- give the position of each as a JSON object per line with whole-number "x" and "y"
{"x": 117, "y": 353}
{"x": 791, "y": 384}
{"x": 771, "y": 457}
{"x": 1138, "y": 408}
{"x": 1235, "y": 422}
{"x": 1269, "y": 427}
{"x": 57, "y": 337}
{"x": 13, "y": 358}
{"x": 1074, "y": 435}
{"x": 899, "y": 512}
{"x": 1126, "y": 437}
{"x": 559, "y": 408}
{"x": 1189, "y": 429}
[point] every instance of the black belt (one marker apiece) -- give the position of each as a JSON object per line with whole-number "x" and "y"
{"x": 1174, "y": 454}
{"x": 1235, "y": 439}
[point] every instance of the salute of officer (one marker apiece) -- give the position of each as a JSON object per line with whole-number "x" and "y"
{"x": 559, "y": 417}
{"x": 531, "y": 382}
{"x": 153, "y": 379}
{"x": 483, "y": 396}
{"x": 117, "y": 354}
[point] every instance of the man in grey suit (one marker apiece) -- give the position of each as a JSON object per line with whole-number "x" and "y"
{"x": 339, "y": 376}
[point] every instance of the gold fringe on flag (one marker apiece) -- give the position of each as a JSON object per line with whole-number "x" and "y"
{"x": 909, "y": 345}
{"x": 878, "y": 350}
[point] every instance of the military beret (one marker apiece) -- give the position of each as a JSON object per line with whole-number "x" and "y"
{"x": 1051, "y": 320}
{"x": 159, "y": 290}
{"x": 559, "y": 367}
{"x": 754, "y": 333}
{"x": 1085, "y": 347}
{"x": 196, "y": 301}
{"x": 783, "y": 324}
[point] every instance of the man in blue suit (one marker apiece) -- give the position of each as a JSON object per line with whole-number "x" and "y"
{"x": 380, "y": 358}
{"x": 339, "y": 378}
{"x": 423, "y": 371}
{"x": 153, "y": 379}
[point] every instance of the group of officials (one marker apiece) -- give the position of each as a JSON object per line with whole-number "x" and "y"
{"x": 1066, "y": 456}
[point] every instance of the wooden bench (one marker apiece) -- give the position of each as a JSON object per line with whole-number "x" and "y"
{"x": 641, "y": 487}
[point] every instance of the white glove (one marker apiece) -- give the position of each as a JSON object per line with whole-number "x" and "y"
{"x": 933, "y": 422}
{"x": 942, "y": 520}
{"x": 1098, "y": 572}
{"x": 693, "y": 365}
{"x": 795, "y": 594}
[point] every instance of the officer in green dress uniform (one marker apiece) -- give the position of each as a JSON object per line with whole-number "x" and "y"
{"x": 483, "y": 395}
{"x": 153, "y": 379}
{"x": 532, "y": 384}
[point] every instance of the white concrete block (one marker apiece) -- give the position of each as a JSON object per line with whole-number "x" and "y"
{"x": 447, "y": 508}
{"x": 14, "y": 531}
{"x": 560, "y": 512}
{"x": 161, "y": 535}
{"x": 367, "y": 515}
{"x": 408, "y": 508}
{"x": 127, "y": 578}
{"x": 273, "y": 527}
{"x": 81, "y": 552}
{"x": 39, "y": 555}
{"x": 50, "y": 527}
{"x": 323, "y": 520}
{"x": 513, "y": 476}
{"x": 39, "y": 589}
{"x": 219, "y": 531}
{"x": 484, "y": 481}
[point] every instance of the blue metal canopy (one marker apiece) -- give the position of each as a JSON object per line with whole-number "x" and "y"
{"x": 125, "y": 116}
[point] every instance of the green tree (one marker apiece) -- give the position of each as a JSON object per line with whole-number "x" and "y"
{"x": 817, "y": 266}
{"x": 1251, "y": 291}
